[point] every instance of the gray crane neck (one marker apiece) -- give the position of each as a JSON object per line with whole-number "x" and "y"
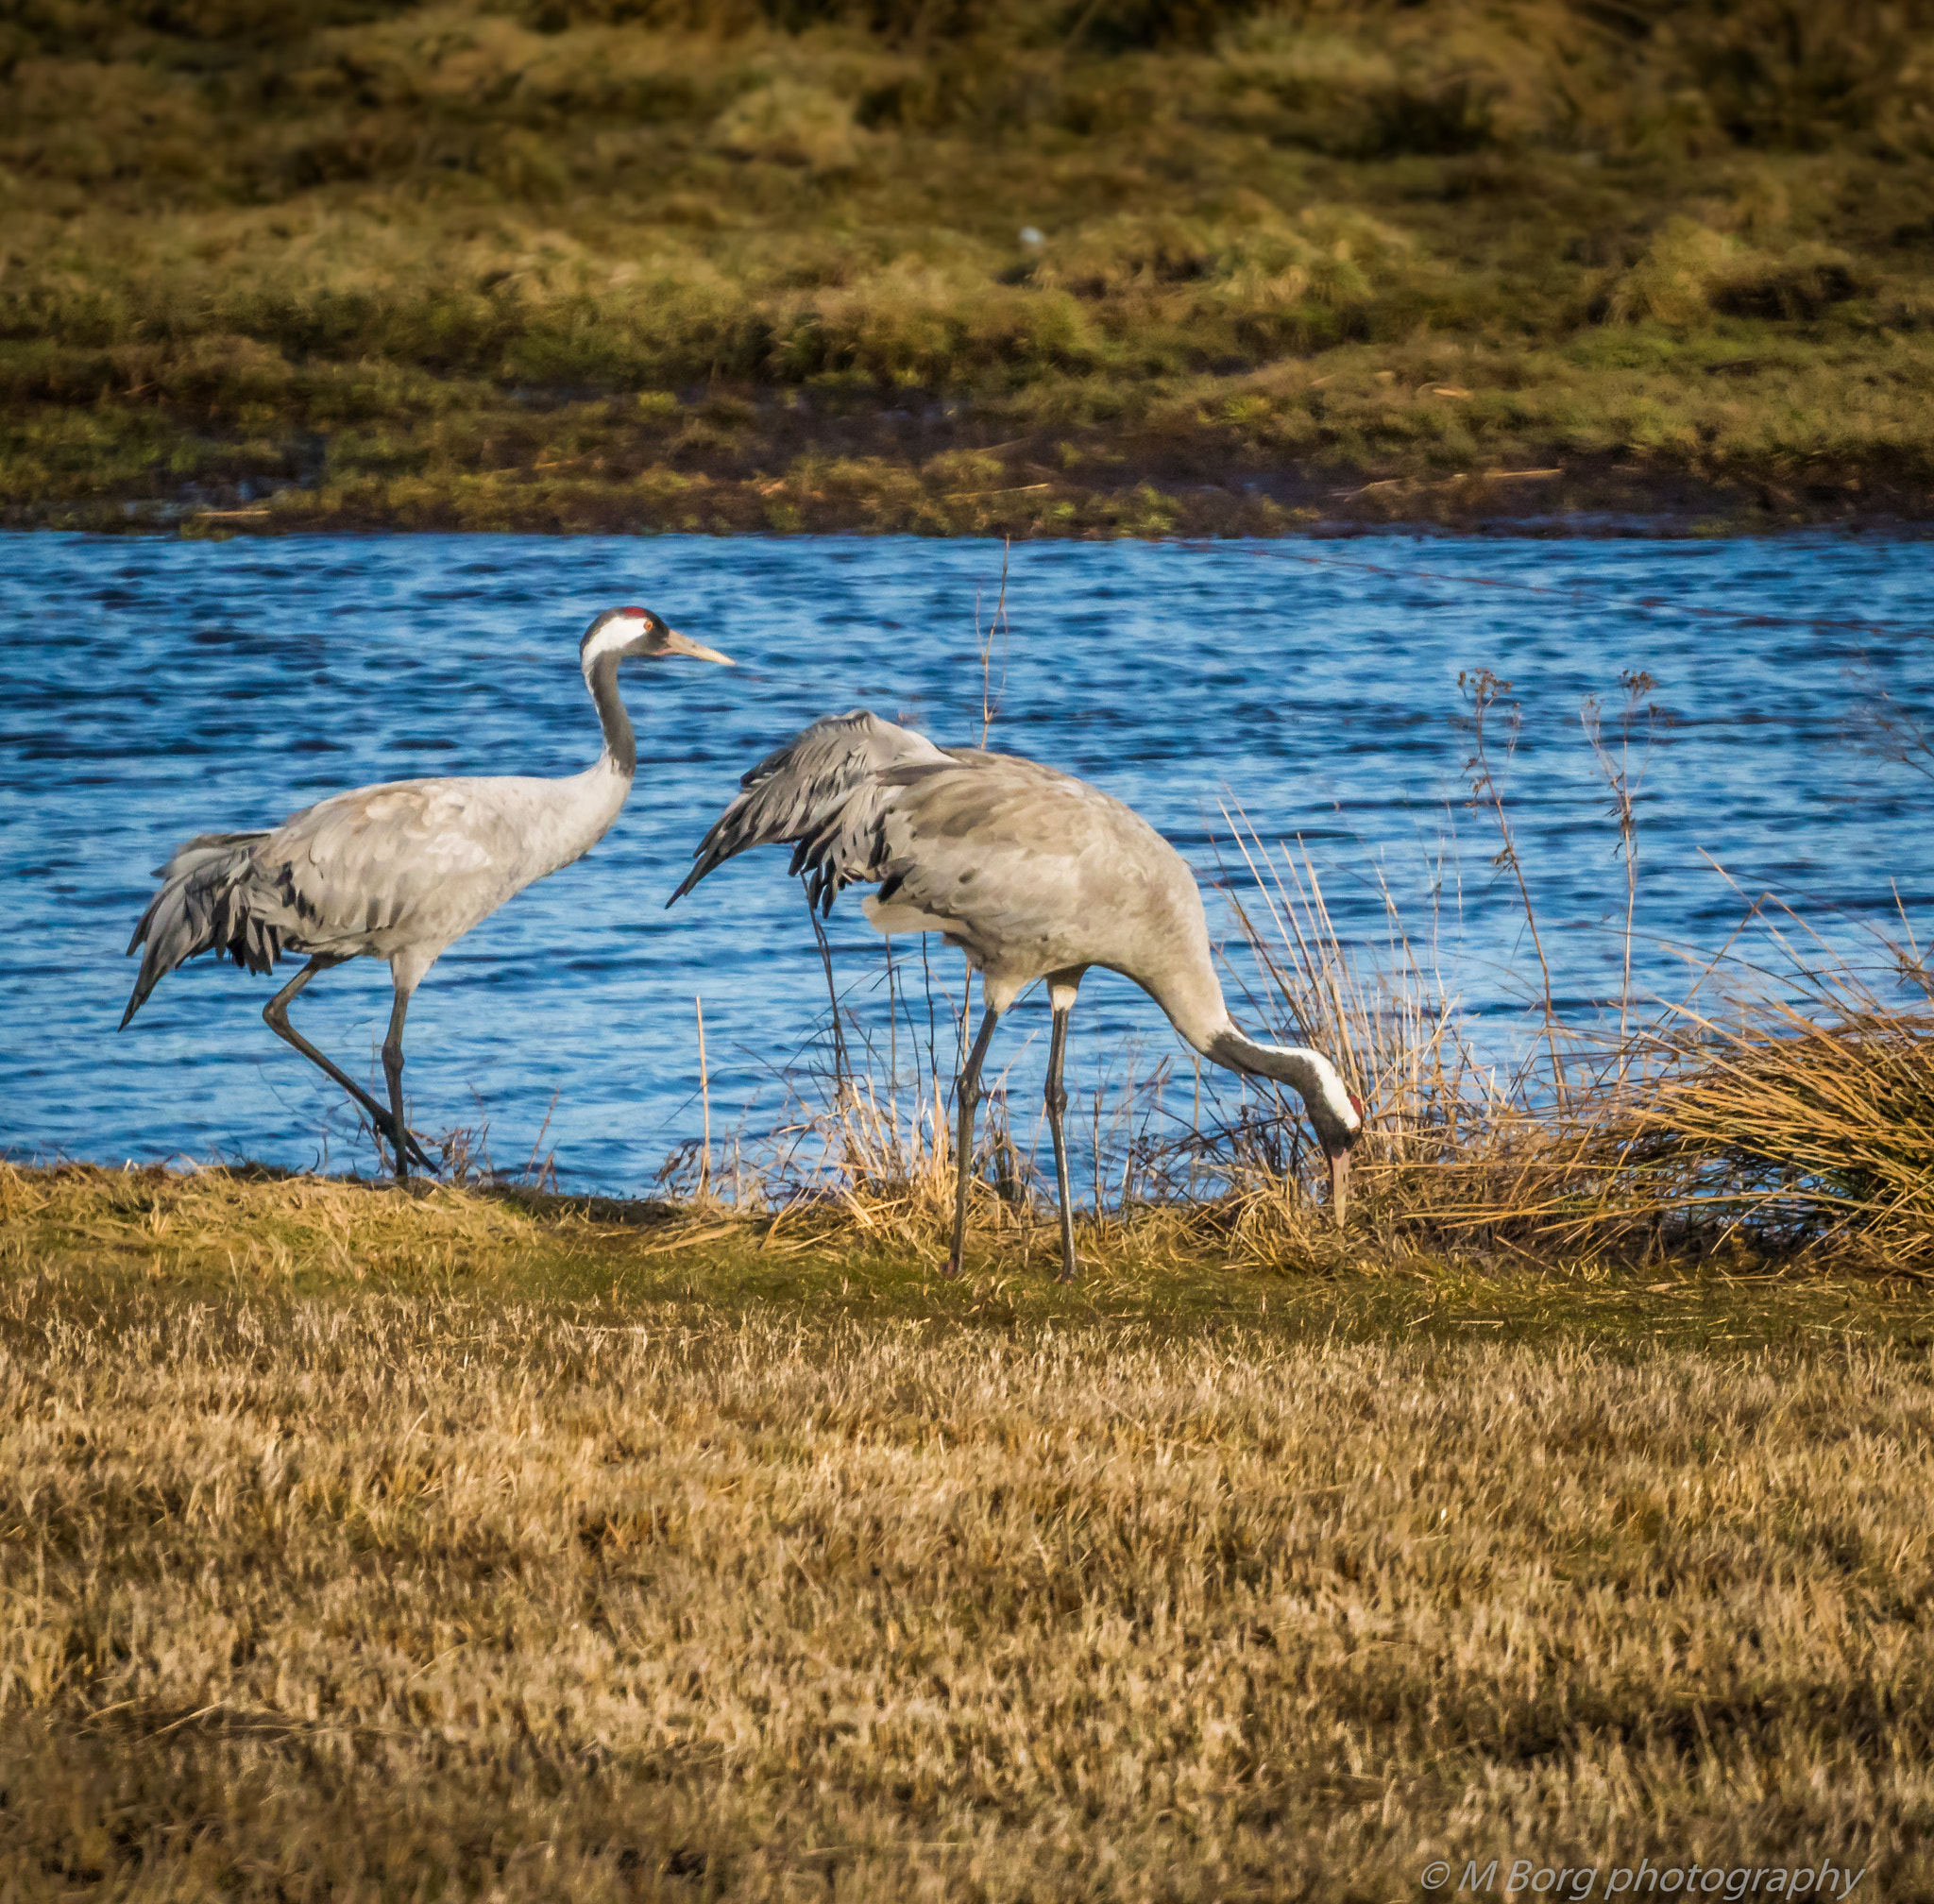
{"x": 619, "y": 741}
{"x": 1308, "y": 1073}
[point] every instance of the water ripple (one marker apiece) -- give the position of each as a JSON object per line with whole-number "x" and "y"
{"x": 152, "y": 690}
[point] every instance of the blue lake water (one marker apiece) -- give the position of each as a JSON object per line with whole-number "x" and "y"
{"x": 151, "y": 689}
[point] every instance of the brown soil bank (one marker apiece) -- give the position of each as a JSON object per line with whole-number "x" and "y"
{"x": 1134, "y": 266}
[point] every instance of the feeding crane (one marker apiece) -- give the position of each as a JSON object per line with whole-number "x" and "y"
{"x": 1034, "y": 875}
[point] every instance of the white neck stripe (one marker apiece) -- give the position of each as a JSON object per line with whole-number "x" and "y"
{"x": 1334, "y": 1093}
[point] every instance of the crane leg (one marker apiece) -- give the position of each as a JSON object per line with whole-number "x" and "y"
{"x": 1057, "y": 1105}
{"x": 276, "y": 1015}
{"x": 967, "y": 1089}
{"x": 393, "y": 1071}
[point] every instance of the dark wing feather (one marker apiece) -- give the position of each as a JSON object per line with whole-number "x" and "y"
{"x": 208, "y": 901}
{"x": 818, "y": 794}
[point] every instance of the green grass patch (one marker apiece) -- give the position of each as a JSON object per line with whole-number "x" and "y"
{"x": 256, "y": 1235}
{"x": 421, "y": 266}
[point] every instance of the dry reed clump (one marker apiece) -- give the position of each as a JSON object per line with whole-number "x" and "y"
{"x": 432, "y": 1591}
{"x": 1807, "y": 1117}
{"x": 1792, "y": 1123}
{"x": 1796, "y": 1117}
{"x": 851, "y": 1158}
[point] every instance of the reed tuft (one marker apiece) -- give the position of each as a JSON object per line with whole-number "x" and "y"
{"x": 1794, "y": 1122}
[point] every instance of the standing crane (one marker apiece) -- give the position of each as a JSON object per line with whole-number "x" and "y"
{"x": 1033, "y": 875}
{"x": 399, "y": 872}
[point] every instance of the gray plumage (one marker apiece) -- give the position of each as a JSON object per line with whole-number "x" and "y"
{"x": 398, "y": 871}
{"x": 813, "y": 794}
{"x": 1034, "y": 874}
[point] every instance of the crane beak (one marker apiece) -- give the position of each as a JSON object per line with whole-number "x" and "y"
{"x": 676, "y": 643}
{"x": 1339, "y": 1184}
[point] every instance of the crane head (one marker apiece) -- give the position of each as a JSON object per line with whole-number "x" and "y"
{"x": 1338, "y": 1144}
{"x": 635, "y": 632}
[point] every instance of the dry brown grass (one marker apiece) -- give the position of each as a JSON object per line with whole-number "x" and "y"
{"x": 361, "y": 1546}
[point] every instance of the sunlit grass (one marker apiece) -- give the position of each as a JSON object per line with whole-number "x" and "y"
{"x": 472, "y": 1541}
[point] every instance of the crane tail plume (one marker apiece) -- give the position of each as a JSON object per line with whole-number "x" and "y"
{"x": 818, "y": 794}
{"x": 707, "y": 863}
{"x": 204, "y": 905}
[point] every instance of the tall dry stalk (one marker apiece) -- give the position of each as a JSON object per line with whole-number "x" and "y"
{"x": 990, "y": 707}
{"x": 1484, "y": 692}
{"x": 535, "y": 1174}
{"x": 990, "y": 695}
{"x": 1637, "y": 712}
{"x": 698, "y": 1006}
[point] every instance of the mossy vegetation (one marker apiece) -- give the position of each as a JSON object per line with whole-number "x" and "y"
{"x": 1136, "y": 266}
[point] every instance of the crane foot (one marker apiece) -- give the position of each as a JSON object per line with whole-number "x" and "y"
{"x": 409, "y": 1151}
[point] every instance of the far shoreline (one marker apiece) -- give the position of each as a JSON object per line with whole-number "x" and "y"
{"x": 1571, "y": 504}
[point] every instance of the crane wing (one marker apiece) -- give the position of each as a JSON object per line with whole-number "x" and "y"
{"x": 410, "y": 851}
{"x": 1019, "y": 854}
{"x": 822, "y": 795}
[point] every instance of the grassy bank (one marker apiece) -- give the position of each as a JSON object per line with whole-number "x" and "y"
{"x": 478, "y": 1544}
{"x": 1569, "y": 1507}
{"x": 581, "y": 266}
